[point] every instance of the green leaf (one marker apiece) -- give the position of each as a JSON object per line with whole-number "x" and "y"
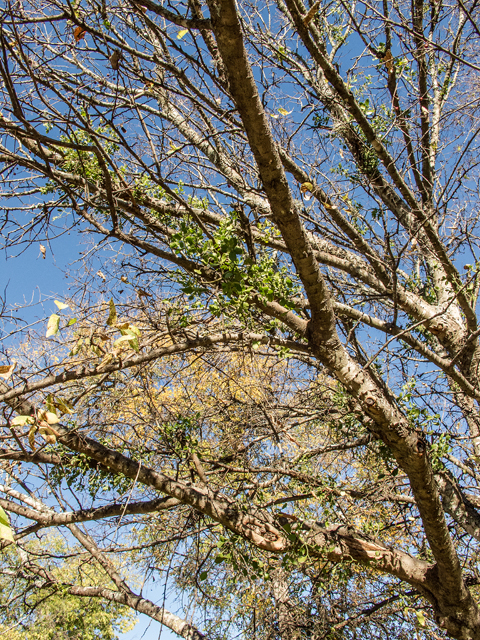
{"x": 64, "y": 406}
{"x": 4, "y": 518}
{"x": 131, "y": 330}
{"x": 53, "y": 325}
{"x": 182, "y": 33}
{"x": 71, "y": 321}
{"x": 112, "y": 316}
{"x": 77, "y": 347}
{"x": 203, "y": 575}
{"x": 420, "y": 617}
{"x": 61, "y": 305}
{"x": 6, "y": 533}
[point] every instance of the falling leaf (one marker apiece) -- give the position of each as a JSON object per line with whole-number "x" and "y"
{"x": 274, "y": 116}
{"x": 53, "y": 325}
{"x": 387, "y": 58}
{"x": 6, "y": 371}
{"x": 79, "y": 33}
{"x": 311, "y": 14}
{"x": 181, "y": 33}
{"x": 115, "y": 59}
{"x": 112, "y": 315}
{"x": 43, "y": 251}
{"x": 284, "y": 112}
{"x": 61, "y": 305}
{"x": 101, "y": 275}
{"x": 143, "y": 294}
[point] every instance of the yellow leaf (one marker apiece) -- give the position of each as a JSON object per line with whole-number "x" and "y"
{"x": 284, "y": 112}
{"x": 31, "y": 436}
{"x": 305, "y": 189}
{"x": 274, "y": 116}
{"x": 306, "y": 186}
{"x": 53, "y": 325}
{"x": 112, "y": 316}
{"x": 181, "y": 33}
{"x": 107, "y": 359}
{"x": 6, "y": 371}
{"x": 6, "y": 533}
{"x": 61, "y": 305}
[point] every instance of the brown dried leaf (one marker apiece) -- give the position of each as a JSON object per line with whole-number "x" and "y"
{"x": 115, "y": 59}
{"x": 79, "y": 33}
{"x": 388, "y": 59}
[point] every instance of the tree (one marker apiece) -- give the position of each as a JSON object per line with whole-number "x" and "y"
{"x": 272, "y": 183}
{"x": 31, "y": 611}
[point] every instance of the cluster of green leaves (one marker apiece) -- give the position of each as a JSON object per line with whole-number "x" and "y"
{"x": 181, "y": 435}
{"x": 80, "y": 474}
{"x": 82, "y": 161}
{"x": 241, "y": 276}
